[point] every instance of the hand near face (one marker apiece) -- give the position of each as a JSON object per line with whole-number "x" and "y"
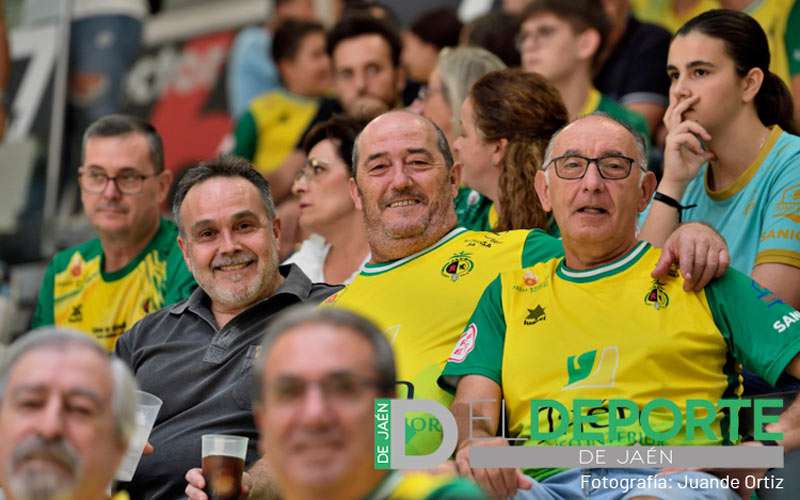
{"x": 685, "y": 150}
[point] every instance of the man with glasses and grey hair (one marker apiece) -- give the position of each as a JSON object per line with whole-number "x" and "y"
{"x": 67, "y": 412}
{"x": 134, "y": 266}
{"x": 595, "y": 326}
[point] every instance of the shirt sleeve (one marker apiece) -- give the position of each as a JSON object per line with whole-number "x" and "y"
{"x": 793, "y": 40}
{"x": 540, "y": 247}
{"x": 479, "y": 350}
{"x": 246, "y": 137}
{"x": 779, "y": 242}
{"x": 762, "y": 332}
{"x": 44, "y": 316}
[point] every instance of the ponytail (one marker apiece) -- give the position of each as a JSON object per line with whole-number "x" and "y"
{"x": 774, "y": 103}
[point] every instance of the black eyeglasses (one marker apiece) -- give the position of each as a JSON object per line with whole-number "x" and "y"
{"x": 612, "y": 167}
{"x": 95, "y": 181}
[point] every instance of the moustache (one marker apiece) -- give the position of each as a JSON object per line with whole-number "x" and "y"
{"x": 58, "y": 451}
{"x": 402, "y": 194}
{"x": 240, "y": 257}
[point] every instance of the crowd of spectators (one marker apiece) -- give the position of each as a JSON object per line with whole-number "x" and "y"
{"x": 408, "y": 204}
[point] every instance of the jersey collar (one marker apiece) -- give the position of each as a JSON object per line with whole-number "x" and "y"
{"x": 610, "y": 269}
{"x": 373, "y": 269}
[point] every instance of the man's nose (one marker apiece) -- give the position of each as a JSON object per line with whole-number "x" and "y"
{"x": 313, "y": 408}
{"x": 592, "y": 180}
{"x": 229, "y": 242}
{"x": 111, "y": 190}
{"x": 50, "y": 420}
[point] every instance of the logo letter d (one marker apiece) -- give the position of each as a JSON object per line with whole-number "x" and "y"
{"x": 399, "y": 408}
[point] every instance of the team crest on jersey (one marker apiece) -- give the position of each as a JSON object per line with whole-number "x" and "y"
{"x": 788, "y": 206}
{"x": 457, "y": 266}
{"x": 535, "y": 315}
{"x": 76, "y": 269}
{"x": 465, "y": 344}
{"x": 657, "y": 297}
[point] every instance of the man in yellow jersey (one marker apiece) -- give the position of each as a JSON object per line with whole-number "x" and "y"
{"x": 426, "y": 274}
{"x": 134, "y": 267}
{"x": 67, "y": 411}
{"x": 317, "y": 378}
{"x": 595, "y": 325}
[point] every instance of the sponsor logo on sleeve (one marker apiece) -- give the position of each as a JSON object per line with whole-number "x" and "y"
{"x": 465, "y": 344}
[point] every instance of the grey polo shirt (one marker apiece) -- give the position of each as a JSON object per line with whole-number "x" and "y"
{"x": 202, "y": 373}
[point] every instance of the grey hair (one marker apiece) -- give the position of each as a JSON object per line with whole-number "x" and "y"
{"x": 641, "y": 147}
{"x": 119, "y": 125}
{"x": 224, "y": 166}
{"x": 459, "y": 68}
{"x": 123, "y": 400}
{"x": 305, "y": 314}
{"x": 441, "y": 141}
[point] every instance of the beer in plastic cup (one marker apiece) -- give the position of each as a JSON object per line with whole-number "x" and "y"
{"x": 223, "y": 465}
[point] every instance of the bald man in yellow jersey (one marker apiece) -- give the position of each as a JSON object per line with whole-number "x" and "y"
{"x": 426, "y": 274}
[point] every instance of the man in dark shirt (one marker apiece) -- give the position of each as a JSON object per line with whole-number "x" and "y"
{"x": 197, "y": 355}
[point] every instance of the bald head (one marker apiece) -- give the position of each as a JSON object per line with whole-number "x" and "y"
{"x": 399, "y": 121}
{"x": 601, "y": 121}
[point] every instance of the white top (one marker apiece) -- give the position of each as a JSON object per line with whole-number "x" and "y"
{"x": 311, "y": 259}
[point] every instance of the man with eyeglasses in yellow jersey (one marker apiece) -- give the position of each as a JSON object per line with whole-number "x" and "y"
{"x": 103, "y": 286}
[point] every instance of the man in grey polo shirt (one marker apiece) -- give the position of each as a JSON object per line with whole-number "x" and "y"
{"x": 197, "y": 355}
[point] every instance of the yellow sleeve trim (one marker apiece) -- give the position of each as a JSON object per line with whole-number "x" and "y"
{"x": 778, "y": 257}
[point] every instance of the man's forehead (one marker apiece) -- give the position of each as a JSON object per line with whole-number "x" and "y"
{"x": 347, "y": 351}
{"x": 233, "y": 194}
{"x": 58, "y": 368}
{"x": 368, "y": 46}
{"x": 398, "y": 127}
{"x": 594, "y": 132}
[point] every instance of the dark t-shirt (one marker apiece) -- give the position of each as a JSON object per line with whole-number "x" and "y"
{"x": 636, "y": 69}
{"x": 203, "y": 376}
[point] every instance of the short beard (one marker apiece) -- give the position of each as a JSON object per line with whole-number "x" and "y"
{"x": 43, "y": 483}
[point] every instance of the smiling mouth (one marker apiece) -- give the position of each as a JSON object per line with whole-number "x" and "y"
{"x": 403, "y": 203}
{"x": 592, "y": 211}
{"x": 232, "y": 267}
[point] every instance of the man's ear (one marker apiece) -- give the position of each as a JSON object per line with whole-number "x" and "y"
{"x": 455, "y": 178}
{"x": 543, "y": 190}
{"x": 355, "y": 195}
{"x": 751, "y": 84}
{"x": 164, "y": 184}
{"x": 499, "y": 150}
{"x": 184, "y": 246}
{"x": 588, "y": 43}
{"x": 649, "y": 185}
{"x": 276, "y": 228}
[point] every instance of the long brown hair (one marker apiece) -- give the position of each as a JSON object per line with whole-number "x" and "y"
{"x": 525, "y": 110}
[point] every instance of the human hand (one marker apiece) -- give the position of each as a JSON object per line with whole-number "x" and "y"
{"x": 498, "y": 483}
{"x": 197, "y": 484}
{"x": 701, "y": 253}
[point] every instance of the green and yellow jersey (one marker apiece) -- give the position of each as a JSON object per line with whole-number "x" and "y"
{"x": 548, "y": 332}
{"x": 77, "y": 293}
{"x": 423, "y": 301}
{"x": 474, "y": 210}
{"x": 420, "y": 486}
{"x": 271, "y": 127}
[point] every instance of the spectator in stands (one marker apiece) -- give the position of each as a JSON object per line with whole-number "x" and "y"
{"x": 317, "y": 378}
{"x": 337, "y": 247}
{"x": 562, "y": 40}
{"x": 539, "y": 328}
{"x": 779, "y": 18}
{"x": 134, "y": 267}
{"x": 632, "y": 64}
{"x": 506, "y": 122}
{"x": 251, "y": 70}
{"x": 425, "y": 273}
{"x": 432, "y": 31}
{"x": 495, "y": 31}
{"x": 457, "y": 69}
{"x": 731, "y": 149}
{"x": 731, "y": 157}
{"x": 67, "y": 411}
{"x": 205, "y": 345}
{"x": 268, "y": 132}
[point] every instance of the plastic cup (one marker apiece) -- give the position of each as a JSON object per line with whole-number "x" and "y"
{"x": 223, "y": 465}
{"x": 146, "y": 412}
